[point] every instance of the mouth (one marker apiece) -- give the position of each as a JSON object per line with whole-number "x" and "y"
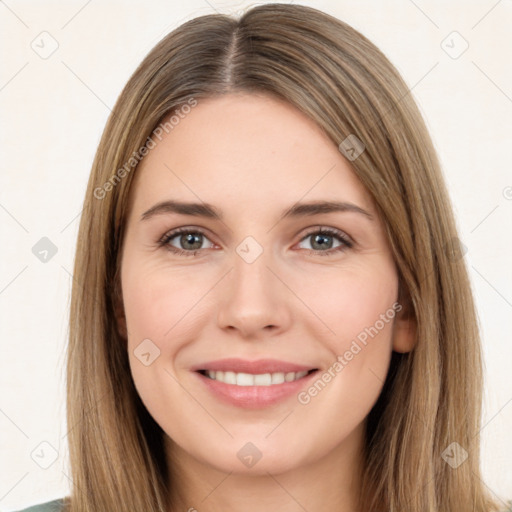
{"x": 253, "y": 384}
{"x": 259, "y": 379}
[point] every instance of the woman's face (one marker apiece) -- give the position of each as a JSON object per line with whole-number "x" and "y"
{"x": 264, "y": 285}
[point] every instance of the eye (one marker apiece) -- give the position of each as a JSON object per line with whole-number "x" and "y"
{"x": 188, "y": 241}
{"x": 322, "y": 243}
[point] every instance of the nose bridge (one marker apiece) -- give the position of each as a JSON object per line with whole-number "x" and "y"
{"x": 251, "y": 279}
{"x": 251, "y": 299}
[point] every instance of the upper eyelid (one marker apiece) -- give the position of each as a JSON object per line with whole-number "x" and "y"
{"x": 328, "y": 230}
{"x": 178, "y": 231}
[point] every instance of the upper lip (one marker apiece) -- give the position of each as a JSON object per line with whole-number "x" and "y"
{"x": 254, "y": 367}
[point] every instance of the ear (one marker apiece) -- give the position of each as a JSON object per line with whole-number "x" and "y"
{"x": 119, "y": 313}
{"x": 404, "y": 332}
{"x": 121, "y": 322}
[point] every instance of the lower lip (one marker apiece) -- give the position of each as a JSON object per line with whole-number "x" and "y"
{"x": 254, "y": 397}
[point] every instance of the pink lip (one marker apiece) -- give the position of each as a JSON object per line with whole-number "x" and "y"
{"x": 253, "y": 367}
{"x": 253, "y": 397}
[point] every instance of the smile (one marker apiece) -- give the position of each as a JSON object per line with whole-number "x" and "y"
{"x": 253, "y": 384}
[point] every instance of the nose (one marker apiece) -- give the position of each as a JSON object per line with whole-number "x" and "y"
{"x": 254, "y": 302}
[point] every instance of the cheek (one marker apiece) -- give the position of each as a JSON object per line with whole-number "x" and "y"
{"x": 162, "y": 307}
{"x": 156, "y": 304}
{"x": 357, "y": 308}
{"x": 156, "y": 300}
{"x": 349, "y": 302}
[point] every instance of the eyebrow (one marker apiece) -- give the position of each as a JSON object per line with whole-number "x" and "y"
{"x": 211, "y": 212}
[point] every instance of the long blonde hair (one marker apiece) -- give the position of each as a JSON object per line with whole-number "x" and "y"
{"x": 337, "y": 77}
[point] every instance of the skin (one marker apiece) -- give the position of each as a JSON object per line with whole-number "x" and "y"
{"x": 253, "y": 157}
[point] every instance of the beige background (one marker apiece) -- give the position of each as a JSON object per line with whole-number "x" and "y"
{"x": 53, "y": 111}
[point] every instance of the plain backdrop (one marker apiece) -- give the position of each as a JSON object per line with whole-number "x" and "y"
{"x": 65, "y": 63}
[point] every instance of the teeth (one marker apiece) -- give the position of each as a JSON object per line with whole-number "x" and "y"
{"x": 277, "y": 378}
{"x": 248, "y": 379}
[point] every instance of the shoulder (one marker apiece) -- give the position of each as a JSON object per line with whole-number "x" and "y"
{"x": 50, "y": 506}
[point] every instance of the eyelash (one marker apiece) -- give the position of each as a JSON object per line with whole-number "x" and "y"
{"x": 346, "y": 243}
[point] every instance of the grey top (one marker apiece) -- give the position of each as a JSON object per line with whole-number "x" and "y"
{"x": 50, "y": 506}
{"x": 56, "y": 506}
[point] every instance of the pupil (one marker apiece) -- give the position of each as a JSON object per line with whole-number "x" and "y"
{"x": 190, "y": 238}
{"x": 322, "y": 245}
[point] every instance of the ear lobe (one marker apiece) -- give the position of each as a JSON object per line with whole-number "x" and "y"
{"x": 404, "y": 333}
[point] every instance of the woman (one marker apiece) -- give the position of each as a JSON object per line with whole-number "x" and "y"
{"x": 252, "y": 372}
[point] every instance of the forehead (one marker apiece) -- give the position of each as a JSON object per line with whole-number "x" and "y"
{"x": 246, "y": 150}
